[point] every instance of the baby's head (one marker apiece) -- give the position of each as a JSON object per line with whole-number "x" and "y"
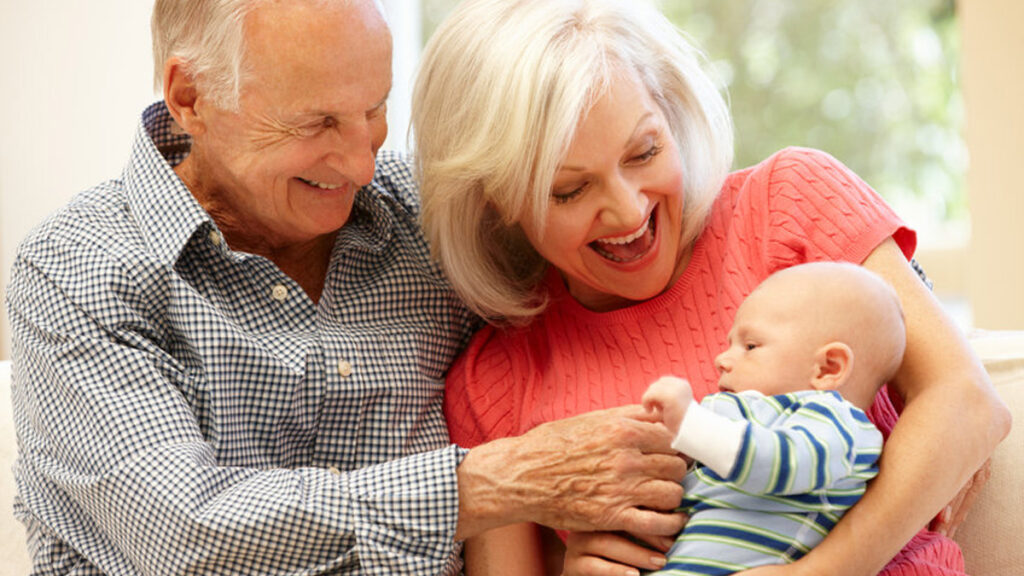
{"x": 823, "y": 326}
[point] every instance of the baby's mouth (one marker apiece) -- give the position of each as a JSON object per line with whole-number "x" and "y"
{"x": 629, "y": 248}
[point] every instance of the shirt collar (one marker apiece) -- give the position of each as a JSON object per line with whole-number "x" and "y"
{"x": 166, "y": 212}
{"x": 169, "y": 216}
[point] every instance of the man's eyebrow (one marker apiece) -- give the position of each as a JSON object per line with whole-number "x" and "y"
{"x": 319, "y": 113}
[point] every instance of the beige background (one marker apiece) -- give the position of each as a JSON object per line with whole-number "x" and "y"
{"x": 78, "y": 73}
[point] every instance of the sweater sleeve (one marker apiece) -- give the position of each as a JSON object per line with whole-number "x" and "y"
{"x": 482, "y": 400}
{"x": 818, "y": 209}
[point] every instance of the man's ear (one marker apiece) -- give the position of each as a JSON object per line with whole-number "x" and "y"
{"x": 181, "y": 96}
{"x": 833, "y": 366}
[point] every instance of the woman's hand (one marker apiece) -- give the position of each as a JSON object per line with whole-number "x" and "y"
{"x": 950, "y": 518}
{"x": 607, "y": 470}
{"x": 613, "y": 554}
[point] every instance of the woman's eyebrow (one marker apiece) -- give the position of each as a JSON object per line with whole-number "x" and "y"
{"x": 638, "y": 131}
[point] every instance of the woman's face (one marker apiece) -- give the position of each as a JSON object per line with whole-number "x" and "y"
{"x": 614, "y": 222}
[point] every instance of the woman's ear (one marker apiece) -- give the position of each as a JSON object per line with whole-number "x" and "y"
{"x": 181, "y": 96}
{"x": 833, "y": 366}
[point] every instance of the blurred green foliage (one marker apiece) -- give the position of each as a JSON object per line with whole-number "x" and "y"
{"x": 874, "y": 83}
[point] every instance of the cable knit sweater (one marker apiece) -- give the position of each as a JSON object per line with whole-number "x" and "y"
{"x": 797, "y": 206}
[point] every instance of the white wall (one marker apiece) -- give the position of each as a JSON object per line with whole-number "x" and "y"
{"x": 76, "y": 76}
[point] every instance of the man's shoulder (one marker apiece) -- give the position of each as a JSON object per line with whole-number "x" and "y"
{"x": 394, "y": 178}
{"x": 87, "y": 218}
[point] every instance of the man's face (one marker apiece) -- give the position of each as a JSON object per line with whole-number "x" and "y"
{"x": 284, "y": 168}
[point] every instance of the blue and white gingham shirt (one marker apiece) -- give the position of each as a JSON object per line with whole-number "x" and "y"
{"x": 183, "y": 408}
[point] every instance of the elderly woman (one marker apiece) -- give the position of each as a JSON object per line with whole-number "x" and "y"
{"x": 575, "y": 164}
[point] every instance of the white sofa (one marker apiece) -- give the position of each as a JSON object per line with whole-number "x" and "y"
{"x": 990, "y": 536}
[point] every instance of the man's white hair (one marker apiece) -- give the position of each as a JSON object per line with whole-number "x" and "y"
{"x": 209, "y": 36}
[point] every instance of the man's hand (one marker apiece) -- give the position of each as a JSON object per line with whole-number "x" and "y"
{"x": 606, "y": 470}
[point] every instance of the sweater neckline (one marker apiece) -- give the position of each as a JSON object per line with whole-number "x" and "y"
{"x": 565, "y": 303}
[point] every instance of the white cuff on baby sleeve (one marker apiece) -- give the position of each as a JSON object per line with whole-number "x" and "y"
{"x": 710, "y": 438}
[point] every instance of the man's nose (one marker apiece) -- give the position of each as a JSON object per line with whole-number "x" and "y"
{"x": 353, "y": 152}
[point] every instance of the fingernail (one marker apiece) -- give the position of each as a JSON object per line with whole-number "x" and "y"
{"x": 631, "y": 572}
{"x": 658, "y": 561}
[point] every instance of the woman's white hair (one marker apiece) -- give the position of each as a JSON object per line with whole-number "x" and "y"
{"x": 502, "y": 86}
{"x": 209, "y": 36}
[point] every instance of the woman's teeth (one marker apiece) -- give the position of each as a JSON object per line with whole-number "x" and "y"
{"x": 627, "y": 248}
{"x": 627, "y": 239}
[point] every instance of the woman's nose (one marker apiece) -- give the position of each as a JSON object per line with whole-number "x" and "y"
{"x": 626, "y": 205}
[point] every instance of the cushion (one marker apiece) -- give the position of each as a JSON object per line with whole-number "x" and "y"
{"x": 990, "y": 536}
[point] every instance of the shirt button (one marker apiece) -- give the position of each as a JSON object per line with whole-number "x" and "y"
{"x": 215, "y": 238}
{"x": 344, "y": 368}
{"x": 334, "y": 470}
{"x": 279, "y": 293}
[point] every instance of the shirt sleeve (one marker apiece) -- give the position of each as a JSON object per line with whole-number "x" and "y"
{"x": 813, "y": 444}
{"x": 818, "y": 209}
{"x": 112, "y": 460}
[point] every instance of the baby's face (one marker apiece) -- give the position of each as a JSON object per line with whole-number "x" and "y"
{"x": 771, "y": 348}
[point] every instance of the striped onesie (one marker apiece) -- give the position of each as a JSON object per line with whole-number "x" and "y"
{"x": 786, "y": 468}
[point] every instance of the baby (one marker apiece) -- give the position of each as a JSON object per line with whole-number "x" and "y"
{"x": 785, "y": 448}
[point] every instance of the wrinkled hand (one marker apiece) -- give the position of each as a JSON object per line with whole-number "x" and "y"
{"x": 607, "y": 553}
{"x": 950, "y": 518}
{"x": 606, "y": 470}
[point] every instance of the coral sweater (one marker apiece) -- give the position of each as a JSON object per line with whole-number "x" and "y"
{"x": 797, "y": 206}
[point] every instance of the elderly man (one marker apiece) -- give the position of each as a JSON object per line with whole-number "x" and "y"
{"x": 231, "y": 359}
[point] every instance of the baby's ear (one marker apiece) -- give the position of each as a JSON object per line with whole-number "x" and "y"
{"x": 833, "y": 366}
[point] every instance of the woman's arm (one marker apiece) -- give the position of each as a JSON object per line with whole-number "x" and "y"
{"x": 513, "y": 550}
{"x": 951, "y": 423}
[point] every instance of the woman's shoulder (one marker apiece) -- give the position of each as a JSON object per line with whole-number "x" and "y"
{"x": 792, "y": 166}
{"x": 485, "y": 385}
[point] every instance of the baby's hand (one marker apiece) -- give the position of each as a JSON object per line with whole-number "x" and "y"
{"x": 670, "y": 397}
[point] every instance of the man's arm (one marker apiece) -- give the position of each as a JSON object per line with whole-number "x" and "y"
{"x": 113, "y": 461}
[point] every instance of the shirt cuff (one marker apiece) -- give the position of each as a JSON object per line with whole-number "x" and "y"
{"x": 710, "y": 438}
{"x": 406, "y": 514}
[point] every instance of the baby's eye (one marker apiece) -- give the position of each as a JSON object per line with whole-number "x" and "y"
{"x": 751, "y": 346}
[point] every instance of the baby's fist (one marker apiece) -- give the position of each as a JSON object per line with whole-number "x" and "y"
{"x": 669, "y": 396}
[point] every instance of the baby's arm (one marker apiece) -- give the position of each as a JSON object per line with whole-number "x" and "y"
{"x": 713, "y": 439}
{"x": 670, "y": 397}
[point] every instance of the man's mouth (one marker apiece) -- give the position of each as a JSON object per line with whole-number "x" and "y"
{"x": 321, "y": 185}
{"x": 628, "y": 248}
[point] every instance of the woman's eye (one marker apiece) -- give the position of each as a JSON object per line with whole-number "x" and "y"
{"x": 648, "y": 154}
{"x": 563, "y": 197}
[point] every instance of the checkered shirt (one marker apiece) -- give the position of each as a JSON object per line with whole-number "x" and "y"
{"x": 183, "y": 408}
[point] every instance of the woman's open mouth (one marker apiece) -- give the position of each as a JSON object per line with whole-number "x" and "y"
{"x": 631, "y": 247}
